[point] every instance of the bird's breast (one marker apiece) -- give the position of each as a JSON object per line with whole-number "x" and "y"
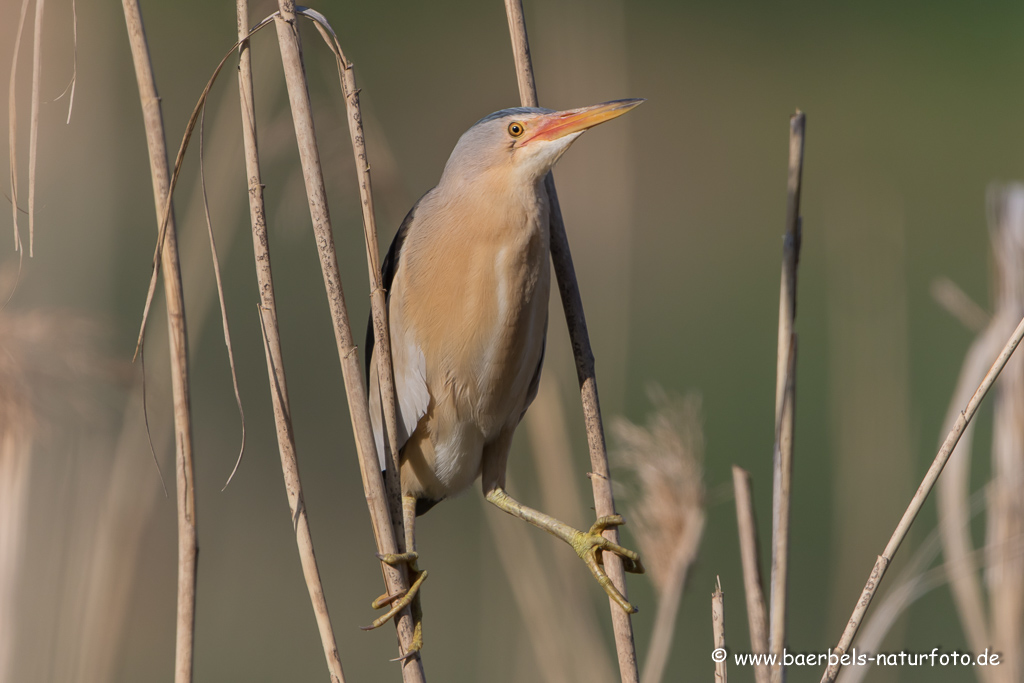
{"x": 485, "y": 338}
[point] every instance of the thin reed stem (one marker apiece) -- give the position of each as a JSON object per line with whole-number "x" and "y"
{"x": 274, "y": 355}
{"x": 785, "y": 403}
{"x": 187, "y": 546}
{"x": 379, "y": 311}
{"x": 882, "y": 563}
{"x": 718, "y": 630}
{"x": 757, "y": 615}
{"x": 396, "y": 578}
{"x": 669, "y": 601}
{"x": 572, "y": 303}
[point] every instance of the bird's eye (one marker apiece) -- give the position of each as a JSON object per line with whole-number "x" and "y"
{"x": 515, "y": 129}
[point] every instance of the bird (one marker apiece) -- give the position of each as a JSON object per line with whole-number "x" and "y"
{"x": 467, "y": 279}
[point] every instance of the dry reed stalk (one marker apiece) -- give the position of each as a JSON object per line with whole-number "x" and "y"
{"x": 378, "y": 307}
{"x": 187, "y": 544}
{"x": 718, "y": 629}
{"x": 396, "y": 578}
{"x": 915, "y": 581}
{"x": 757, "y": 615}
{"x": 666, "y": 456}
{"x": 882, "y": 563}
{"x": 187, "y": 547}
{"x": 274, "y": 355}
{"x": 128, "y": 506}
{"x": 785, "y": 398}
{"x": 604, "y": 501}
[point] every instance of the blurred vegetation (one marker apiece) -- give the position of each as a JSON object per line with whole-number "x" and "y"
{"x": 675, "y": 214}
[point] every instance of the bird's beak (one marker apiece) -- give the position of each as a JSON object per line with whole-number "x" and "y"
{"x": 561, "y": 123}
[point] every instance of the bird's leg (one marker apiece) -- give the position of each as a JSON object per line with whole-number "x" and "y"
{"x": 400, "y": 601}
{"x": 585, "y": 543}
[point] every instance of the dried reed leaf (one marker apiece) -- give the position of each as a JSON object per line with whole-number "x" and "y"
{"x": 220, "y": 297}
{"x": 12, "y": 124}
{"x": 33, "y": 131}
{"x": 166, "y": 210}
{"x": 74, "y": 64}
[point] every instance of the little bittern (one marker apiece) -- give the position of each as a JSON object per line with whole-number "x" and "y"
{"x": 467, "y": 281}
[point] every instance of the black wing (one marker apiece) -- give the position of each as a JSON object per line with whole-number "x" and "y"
{"x": 387, "y": 272}
{"x": 531, "y": 392}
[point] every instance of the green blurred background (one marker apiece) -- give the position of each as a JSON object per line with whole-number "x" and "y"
{"x": 675, "y": 214}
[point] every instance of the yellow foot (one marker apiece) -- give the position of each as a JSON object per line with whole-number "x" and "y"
{"x": 587, "y": 546}
{"x": 400, "y": 601}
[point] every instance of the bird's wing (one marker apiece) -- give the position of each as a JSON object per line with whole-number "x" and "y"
{"x": 531, "y": 392}
{"x": 411, "y": 391}
{"x": 387, "y": 275}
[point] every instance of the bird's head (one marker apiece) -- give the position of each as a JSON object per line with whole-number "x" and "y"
{"x": 521, "y": 145}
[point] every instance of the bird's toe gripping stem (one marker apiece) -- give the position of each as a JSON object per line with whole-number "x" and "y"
{"x": 587, "y": 544}
{"x": 400, "y": 601}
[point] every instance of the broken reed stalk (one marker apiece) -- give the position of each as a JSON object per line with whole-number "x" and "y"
{"x": 187, "y": 547}
{"x": 757, "y": 616}
{"x": 568, "y": 288}
{"x": 396, "y": 578}
{"x": 275, "y": 358}
{"x": 785, "y": 403}
{"x": 718, "y": 629}
{"x": 882, "y": 563}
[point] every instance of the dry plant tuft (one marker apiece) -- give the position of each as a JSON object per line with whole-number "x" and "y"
{"x": 668, "y": 511}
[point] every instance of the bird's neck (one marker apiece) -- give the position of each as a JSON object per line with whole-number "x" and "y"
{"x": 505, "y": 213}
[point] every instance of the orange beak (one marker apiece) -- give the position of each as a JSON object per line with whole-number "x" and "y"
{"x": 562, "y": 123}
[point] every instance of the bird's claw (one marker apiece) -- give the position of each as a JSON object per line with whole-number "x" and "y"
{"x": 400, "y": 601}
{"x": 587, "y": 546}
